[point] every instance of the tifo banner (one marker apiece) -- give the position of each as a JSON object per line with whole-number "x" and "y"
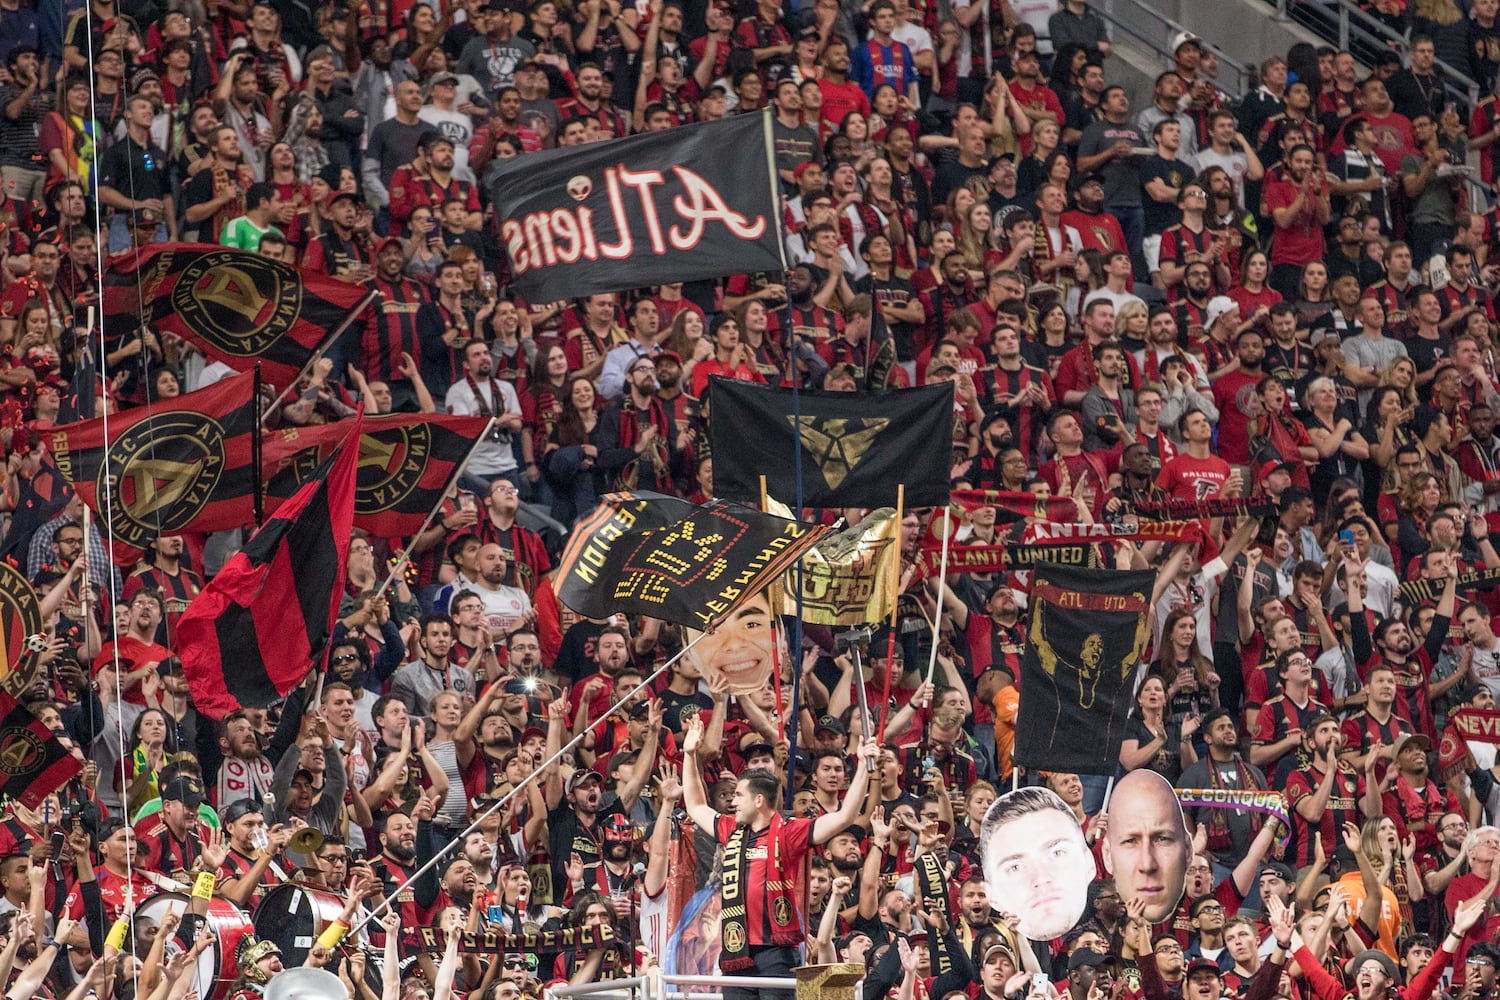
{"x": 646, "y": 553}
{"x": 851, "y": 577}
{"x": 33, "y": 762}
{"x": 1181, "y": 510}
{"x": 234, "y": 305}
{"x": 406, "y": 462}
{"x": 1088, "y": 632}
{"x": 178, "y": 465}
{"x": 856, "y": 447}
{"x": 681, "y": 205}
{"x": 1267, "y": 803}
{"x": 20, "y": 619}
{"x": 1425, "y": 591}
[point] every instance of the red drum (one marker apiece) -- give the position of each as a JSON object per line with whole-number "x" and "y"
{"x": 216, "y": 966}
{"x": 294, "y": 914}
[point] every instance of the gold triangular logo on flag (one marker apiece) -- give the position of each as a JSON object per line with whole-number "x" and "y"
{"x": 838, "y": 445}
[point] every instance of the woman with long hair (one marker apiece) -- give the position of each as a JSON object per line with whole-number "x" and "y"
{"x": 1401, "y": 375}
{"x": 1387, "y": 429}
{"x": 1150, "y": 740}
{"x": 686, "y": 340}
{"x": 153, "y": 742}
{"x": 1192, "y": 684}
{"x": 1058, "y": 169}
{"x": 1420, "y": 496}
{"x": 977, "y": 241}
{"x": 1055, "y": 334}
{"x": 1394, "y": 863}
{"x": 1313, "y": 298}
{"x": 1251, "y": 293}
{"x": 856, "y": 128}
{"x": 582, "y": 451}
{"x": 755, "y": 333}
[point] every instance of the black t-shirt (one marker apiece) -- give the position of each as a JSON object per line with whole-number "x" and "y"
{"x": 892, "y": 291}
{"x": 575, "y": 658}
{"x": 1425, "y": 353}
{"x": 673, "y": 703}
{"x": 951, "y": 175}
{"x": 137, "y": 172}
{"x": 1174, "y": 173}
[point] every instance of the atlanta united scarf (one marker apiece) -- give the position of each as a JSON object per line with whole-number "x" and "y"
{"x": 1181, "y": 510}
{"x": 1423, "y": 591}
{"x": 743, "y": 906}
{"x": 1020, "y": 503}
{"x": 1151, "y": 531}
{"x": 999, "y": 558}
{"x": 932, "y": 886}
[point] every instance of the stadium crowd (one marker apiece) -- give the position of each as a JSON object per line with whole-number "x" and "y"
{"x": 1283, "y": 294}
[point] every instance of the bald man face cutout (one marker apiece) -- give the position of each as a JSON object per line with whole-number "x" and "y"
{"x": 1036, "y": 862}
{"x": 1146, "y": 848}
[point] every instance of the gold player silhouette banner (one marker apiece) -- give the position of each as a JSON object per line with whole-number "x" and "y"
{"x": 1087, "y": 635}
{"x": 856, "y": 447}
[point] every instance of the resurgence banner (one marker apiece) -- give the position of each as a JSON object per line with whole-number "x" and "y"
{"x": 659, "y": 207}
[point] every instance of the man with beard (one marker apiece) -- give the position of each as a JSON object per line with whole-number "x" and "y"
{"x": 1234, "y": 395}
{"x": 346, "y": 249}
{"x": 645, "y": 428}
{"x": 1230, "y": 831}
{"x": 1478, "y": 458}
{"x": 505, "y": 607}
{"x": 477, "y": 393}
{"x": 579, "y": 812}
{"x": 1108, "y": 146}
{"x": 432, "y": 671}
{"x": 1298, "y": 205}
{"x": 166, "y": 575}
{"x": 1325, "y": 793}
{"x": 484, "y": 743}
{"x": 1447, "y": 859}
{"x": 1191, "y": 308}
{"x": 1109, "y": 405}
{"x": 405, "y": 846}
{"x": 522, "y": 548}
{"x": 611, "y": 657}
{"x": 390, "y": 333}
{"x": 446, "y": 328}
{"x": 1138, "y": 469}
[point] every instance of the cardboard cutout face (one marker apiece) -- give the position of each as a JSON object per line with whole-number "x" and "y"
{"x": 1147, "y": 847}
{"x": 1036, "y": 862}
{"x": 740, "y": 649}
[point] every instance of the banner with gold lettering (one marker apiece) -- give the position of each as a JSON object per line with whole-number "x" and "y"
{"x": 1088, "y": 632}
{"x": 179, "y": 465}
{"x": 234, "y": 305}
{"x": 651, "y": 554}
{"x": 1466, "y": 725}
{"x": 852, "y": 576}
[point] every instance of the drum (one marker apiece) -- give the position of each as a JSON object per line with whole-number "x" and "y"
{"x": 294, "y": 914}
{"x": 216, "y": 966}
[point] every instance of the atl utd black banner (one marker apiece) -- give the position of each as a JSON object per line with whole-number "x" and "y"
{"x": 176, "y": 465}
{"x": 33, "y": 762}
{"x": 647, "y": 554}
{"x": 406, "y": 462}
{"x": 856, "y": 447}
{"x": 681, "y": 205}
{"x": 1087, "y": 634}
{"x": 253, "y": 633}
{"x": 236, "y": 306}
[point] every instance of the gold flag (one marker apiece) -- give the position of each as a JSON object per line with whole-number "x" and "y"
{"x": 851, "y": 577}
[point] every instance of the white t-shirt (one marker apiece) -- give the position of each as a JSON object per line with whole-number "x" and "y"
{"x": 1234, "y": 164}
{"x": 914, "y": 36}
{"x": 456, "y": 128}
{"x": 491, "y": 457}
{"x": 504, "y": 607}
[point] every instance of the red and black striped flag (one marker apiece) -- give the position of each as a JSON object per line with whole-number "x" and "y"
{"x": 406, "y": 462}
{"x": 254, "y": 632}
{"x": 33, "y": 761}
{"x": 234, "y": 305}
{"x": 177, "y": 465}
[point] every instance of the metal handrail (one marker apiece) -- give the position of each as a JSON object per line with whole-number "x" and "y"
{"x": 1374, "y": 33}
{"x": 1242, "y": 72}
{"x": 656, "y": 987}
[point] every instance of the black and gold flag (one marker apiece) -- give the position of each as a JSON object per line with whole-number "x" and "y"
{"x": 1088, "y": 632}
{"x": 853, "y": 576}
{"x": 647, "y": 553}
{"x": 856, "y": 447}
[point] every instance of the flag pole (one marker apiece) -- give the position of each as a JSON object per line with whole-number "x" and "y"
{"x": 942, "y": 582}
{"x": 259, "y": 494}
{"x": 405, "y": 556}
{"x": 775, "y": 641}
{"x": 890, "y": 638}
{"x": 322, "y": 350}
{"x": 536, "y": 772}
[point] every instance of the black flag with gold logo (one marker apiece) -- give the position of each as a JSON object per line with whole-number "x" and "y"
{"x": 234, "y": 305}
{"x": 1087, "y": 634}
{"x": 647, "y": 553}
{"x": 856, "y": 447}
{"x": 20, "y": 620}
